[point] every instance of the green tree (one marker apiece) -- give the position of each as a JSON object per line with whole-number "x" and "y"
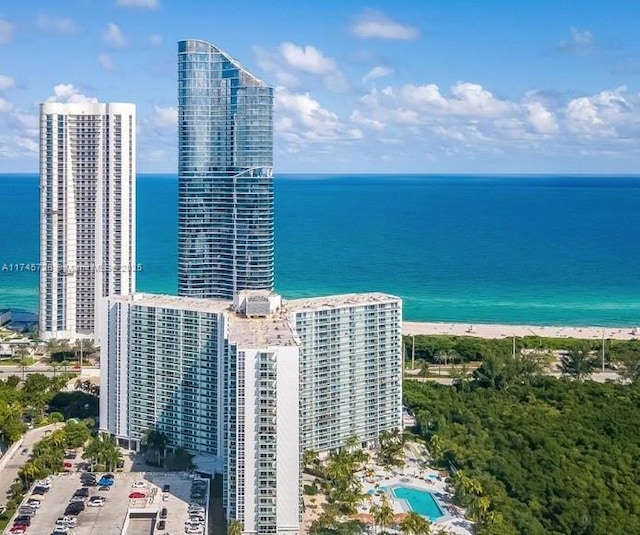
{"x": 578, "y": 363}
{"x": 382, "y": 514}
{"x": 235, "y": 527}
{"x": 630, "y": 362}
{"x": 415, "y": 524}
{"x": 154, "y": 443}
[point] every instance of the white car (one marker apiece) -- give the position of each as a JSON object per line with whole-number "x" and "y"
{"x": 96, "y": 501}
{"x": 67, "y": 521}
{"x": 45, "y": 483}
{"x": 60, "y": 530}
{"x": 33, "y": 503}
{"x": 139, "y": 485}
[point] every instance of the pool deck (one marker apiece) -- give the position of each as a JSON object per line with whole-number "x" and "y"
{"x": 414, "y": 474}
{"x": 376, "y": 480}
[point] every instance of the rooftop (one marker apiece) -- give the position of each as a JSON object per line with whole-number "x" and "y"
{"x": 271, "y": 331}
{"x": 214, "y": 306}
{"x": 338, "y": 301}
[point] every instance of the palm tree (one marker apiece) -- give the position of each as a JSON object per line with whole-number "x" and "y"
{"x": 383, "y": 514}
{"x": 352, "y": 442}
{"x": 415, "y": 524}
{"x": 235, "y": 527}
{"x": 155, "y": 442}
{"x": 578, "y": 363}
{"x": 103, "y": 449}
{"x": 478, "y": 507}
{"x": 309, "y": 458}
{"x": 28, "y": 473}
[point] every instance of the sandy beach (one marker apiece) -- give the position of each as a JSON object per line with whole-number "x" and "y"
{"x": 482, "y": 330}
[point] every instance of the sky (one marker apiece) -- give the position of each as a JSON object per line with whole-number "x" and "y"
{"x": 425, "y": 86}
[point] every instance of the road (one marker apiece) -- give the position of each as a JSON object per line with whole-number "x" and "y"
{"x": 6, "y": 371}
{"x": 10, "y": 472}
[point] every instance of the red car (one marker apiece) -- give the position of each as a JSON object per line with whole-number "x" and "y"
{"x": 134, "y": 495}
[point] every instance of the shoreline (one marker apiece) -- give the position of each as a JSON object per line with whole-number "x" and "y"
{"x": 494, "y": 330}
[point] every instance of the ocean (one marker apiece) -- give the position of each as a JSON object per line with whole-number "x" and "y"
{"x": 542, "y": 250}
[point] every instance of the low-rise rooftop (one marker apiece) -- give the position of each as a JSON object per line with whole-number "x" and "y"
{"x": 338, "y": 301}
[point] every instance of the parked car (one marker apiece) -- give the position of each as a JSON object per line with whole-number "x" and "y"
{"x": 59, "y": 530}
{"x": 74, "y": 508}
{"x": 84, "y": 492}
{"x": 38, "y": 490}
{"x": 162, "y": 525}
{"x": 104, "y": 488}
{"x": 163, "y": 512}
{"x": 166, "y": 488}
{"x": 139, "y": 484}
{"x": 137, "y": 495}
{"x": 67, "y": 521}
{"x": 34, "y": 503}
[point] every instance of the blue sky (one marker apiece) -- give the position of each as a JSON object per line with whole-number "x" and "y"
{"x": 381, "y": 86}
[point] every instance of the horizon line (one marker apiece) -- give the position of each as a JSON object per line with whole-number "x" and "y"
{"x": 439, "y": 174}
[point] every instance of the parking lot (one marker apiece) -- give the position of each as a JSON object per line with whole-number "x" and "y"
{"x": 133, "y": 505}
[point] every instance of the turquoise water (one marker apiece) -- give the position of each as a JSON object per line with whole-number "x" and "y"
{"x": 420, "y": 501}
{"x": 473, "y": 249}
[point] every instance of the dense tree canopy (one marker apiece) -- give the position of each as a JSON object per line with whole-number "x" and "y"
{"x": 437, "y": 348}
{"x": 542, "y": 457}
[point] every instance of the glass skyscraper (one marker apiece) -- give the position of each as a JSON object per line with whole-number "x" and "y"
{"x": 225, "y": 168}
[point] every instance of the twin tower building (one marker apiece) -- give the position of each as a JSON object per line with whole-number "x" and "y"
{"x": 229, "y": 370}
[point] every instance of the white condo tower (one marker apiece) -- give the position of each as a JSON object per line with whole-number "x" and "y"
{"x": 87, "y": 213}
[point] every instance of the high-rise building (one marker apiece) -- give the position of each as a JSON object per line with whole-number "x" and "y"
{"x": 87, "y": 213}
{"x": 225, "y": 181}
{"x": 350, "y": 367}
{"x": 246, "y": 386}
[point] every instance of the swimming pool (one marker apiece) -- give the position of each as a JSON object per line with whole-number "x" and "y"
{"x": 420, "y": 501}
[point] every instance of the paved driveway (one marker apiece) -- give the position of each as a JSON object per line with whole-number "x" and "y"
{"x": 10, "y": 472}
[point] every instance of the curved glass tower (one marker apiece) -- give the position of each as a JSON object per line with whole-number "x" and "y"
{"x": 225, "y": 170}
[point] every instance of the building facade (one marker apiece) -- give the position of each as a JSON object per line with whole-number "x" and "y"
{"x": 87, "y": 213}
{"x": 225, "y": 175}
{"x": 350, "y": 367}
{"x": 247, "y": 385}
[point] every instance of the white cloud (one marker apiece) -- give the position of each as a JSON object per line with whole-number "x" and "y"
{"x": 358, "y": 118}
{"x": 58, "y": 25}
{"x": 165, "y": 116}
{"x": 579, "y": 41}
{"x": 541, "y": 119}
{"x": 377, "y": 72}
{"x": 467, "y": 99}
{"x": 301, "y": 119}
{"x": 106, "y": 62}
{"x": 6, "y": 32}
{"x": 155, "y": 39}
{"x": 606, "y": 114}
{"x": 6, "y": 82}
{"x": 69, "y": 93}
{"x": 311, "y": 67}
{"x": 307, "y": 59}
{"x": 5, "y": 105}
{"x": 113, "y": 36}
{"x": 374, "y": 24}
{"x": 146, "y": 4}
